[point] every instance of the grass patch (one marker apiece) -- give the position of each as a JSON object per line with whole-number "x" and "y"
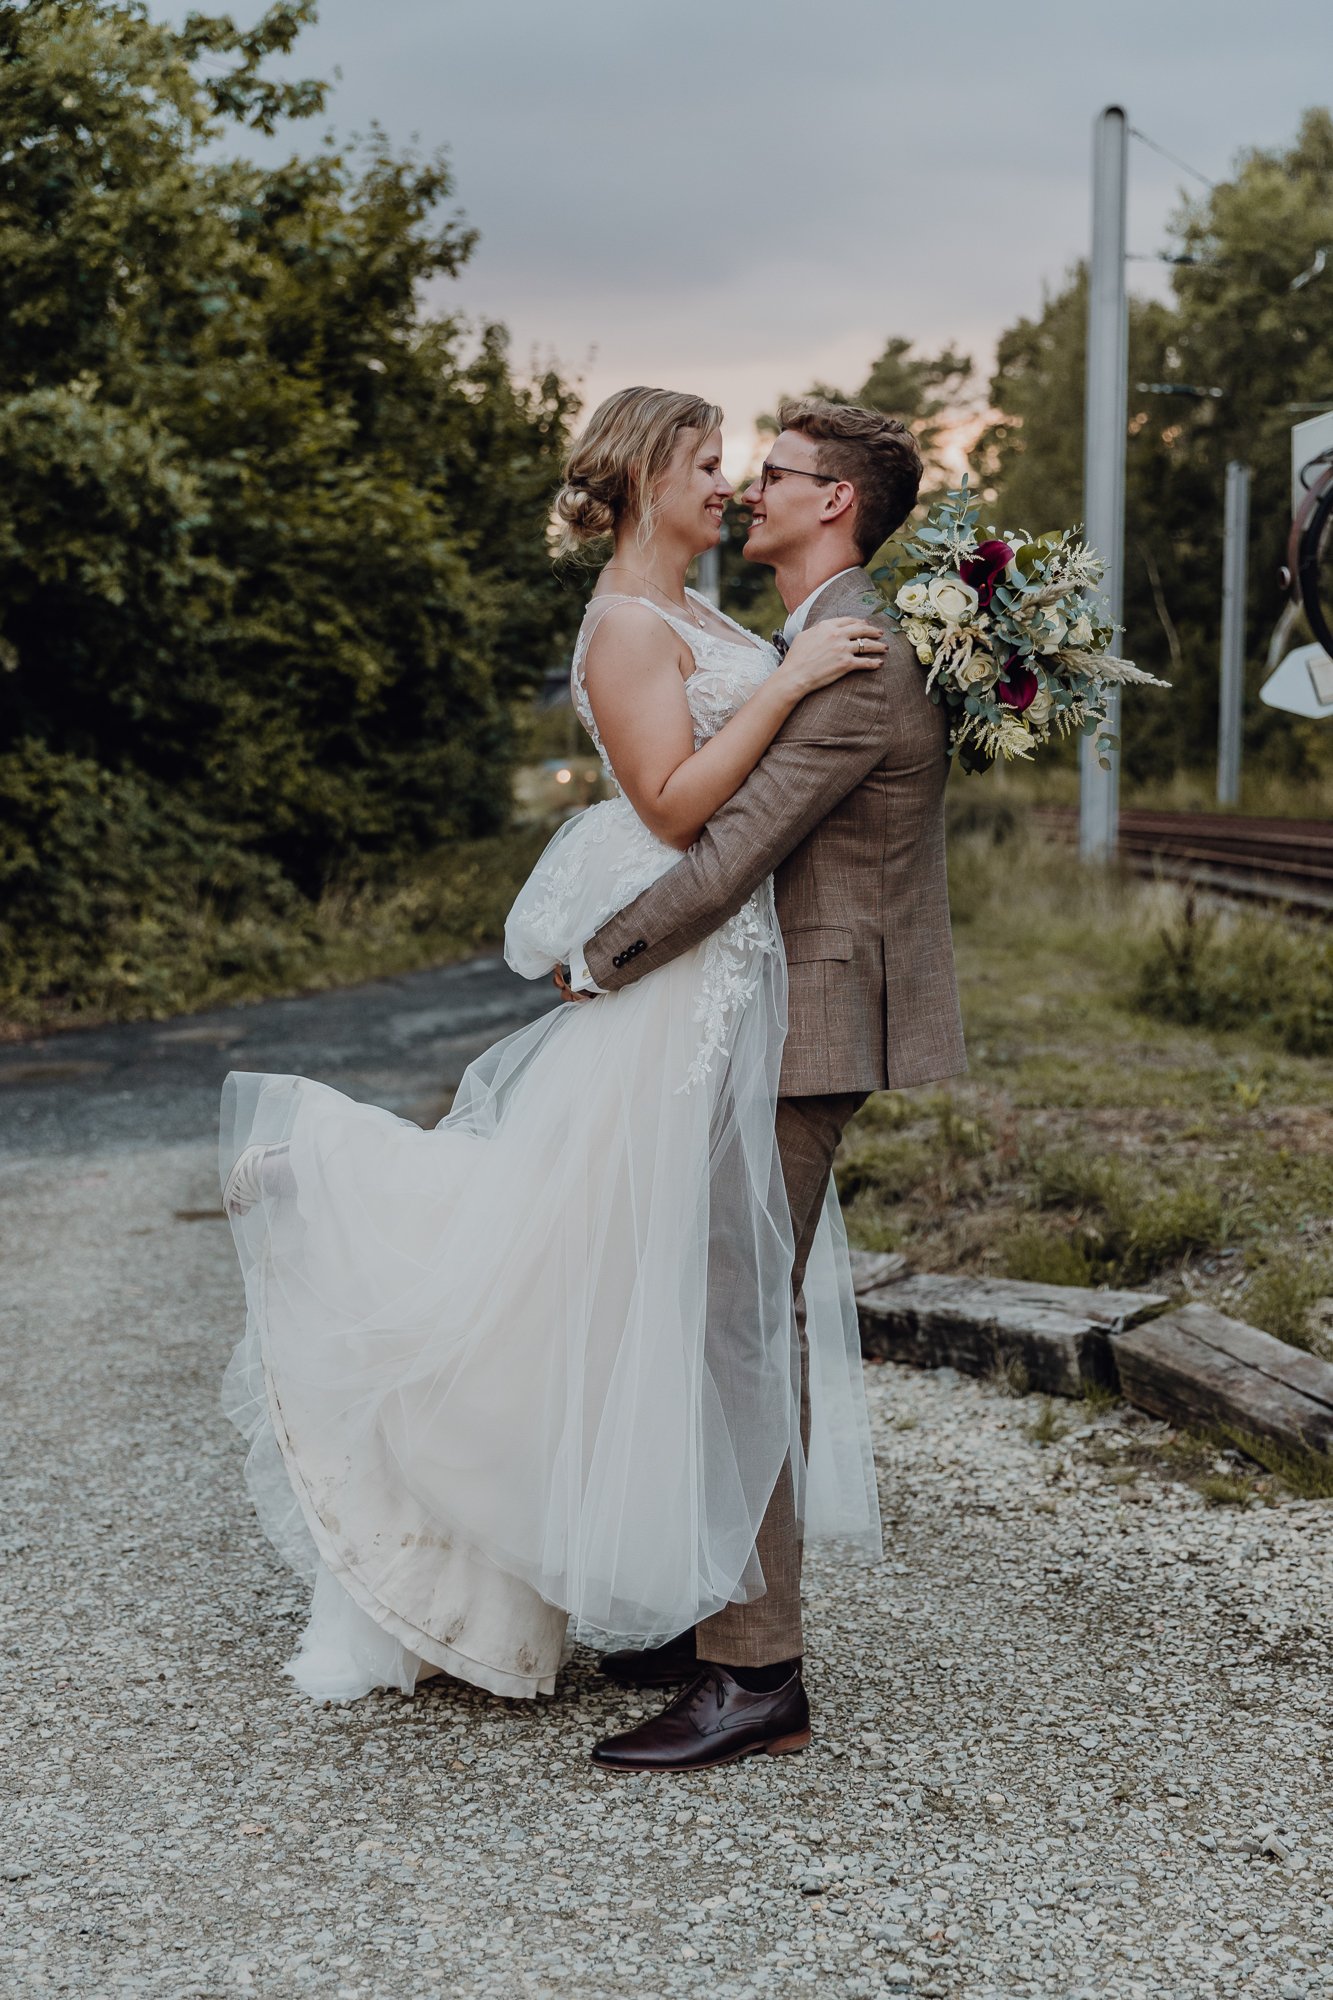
{"x": 1091, "y": 1142}
{"x": 1130, "y": 1224}
{"x": 198, "y": 954}
{"x": 1282, "y": 1297}
{"x": 1307, "y": 1474}
{"x": 1218, "y": 1489}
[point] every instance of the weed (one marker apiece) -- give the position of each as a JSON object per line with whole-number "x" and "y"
{"x": 1282, "y": 1296}
{"x": 1010, "y": 1376}
{"x": 1044, "y": 1258}
{"x": 885, "y": 1166}
{"x": 1098, "y": 1397}
{"x": 1218, "y": 1490}
{"x": 867, "y": 1227}
{"x": 1048, "y": 1427}
{"x": 961, "y": 1137}
{"x": 1308, "y": 1474}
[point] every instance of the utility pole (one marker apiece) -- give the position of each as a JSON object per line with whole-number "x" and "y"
{"x": 1105, "y": 418}
{"x": 1232, "y": 690}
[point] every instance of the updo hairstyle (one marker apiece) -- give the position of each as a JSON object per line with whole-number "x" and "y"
{"x": 613, "y": 467}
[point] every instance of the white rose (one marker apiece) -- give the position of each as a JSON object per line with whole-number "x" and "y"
{"x": 953, "y": 599}
{"x": 925, "y": 652}
{"x": 916, "y": 632}
{"x": 1080, "y": 632}
{"x": 1054, "y": 636}
{"x": 978, "y": 668}
{"x": 913, "y": 597}
{"x": 1040, "y": 707}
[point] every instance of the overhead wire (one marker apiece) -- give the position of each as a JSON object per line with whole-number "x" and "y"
{"x": 1174, "y": 158}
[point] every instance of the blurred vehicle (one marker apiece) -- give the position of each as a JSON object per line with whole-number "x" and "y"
{"x": 1302, "y": 682}
{"x": 557, "y": 787}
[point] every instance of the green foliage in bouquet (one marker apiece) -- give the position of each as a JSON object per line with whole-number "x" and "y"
{"x": 1015, "y": 640}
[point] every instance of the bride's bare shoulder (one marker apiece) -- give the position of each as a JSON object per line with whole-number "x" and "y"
{"x": 628, "y": 637}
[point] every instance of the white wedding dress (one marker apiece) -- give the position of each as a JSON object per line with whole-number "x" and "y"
{"x": 532, "y": 1374}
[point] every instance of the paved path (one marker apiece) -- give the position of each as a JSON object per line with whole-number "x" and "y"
{"x": 1072, "y": 1738}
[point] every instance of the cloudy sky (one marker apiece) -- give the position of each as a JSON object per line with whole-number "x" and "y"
{"x": 741, "y": 196}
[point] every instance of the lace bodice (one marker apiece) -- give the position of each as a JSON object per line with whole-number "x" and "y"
{"x": 728, "y": 666}
{"x": 604, "y": 856}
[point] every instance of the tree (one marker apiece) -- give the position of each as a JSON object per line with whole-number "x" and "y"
{"x": 1234, "y": 324}
{"x": 272, "y": 551}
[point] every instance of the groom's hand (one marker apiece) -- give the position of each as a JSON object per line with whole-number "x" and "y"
{"x": 560, "y": 981}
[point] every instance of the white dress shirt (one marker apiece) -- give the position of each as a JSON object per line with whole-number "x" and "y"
{"x": 580, "y": 978}
{"x": 796, "y": 619}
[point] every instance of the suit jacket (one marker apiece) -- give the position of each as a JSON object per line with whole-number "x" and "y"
{"x": 846, "y": 811}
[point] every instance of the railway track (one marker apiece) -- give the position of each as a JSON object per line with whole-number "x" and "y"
{"x": 1257, "y": 860}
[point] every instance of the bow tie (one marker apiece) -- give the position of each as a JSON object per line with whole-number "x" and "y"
{"x": 780, "y": 644}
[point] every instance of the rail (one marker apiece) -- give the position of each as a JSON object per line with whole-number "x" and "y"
{"x": 1261, "y": 860}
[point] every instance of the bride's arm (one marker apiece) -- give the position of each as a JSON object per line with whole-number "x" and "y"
{"x": 635, "y": 675}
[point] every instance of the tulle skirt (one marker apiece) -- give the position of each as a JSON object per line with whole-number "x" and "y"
{"x": 533, "y": 1373}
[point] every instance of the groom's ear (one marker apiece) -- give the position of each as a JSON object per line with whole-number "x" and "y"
{"x": 839, "y": 501}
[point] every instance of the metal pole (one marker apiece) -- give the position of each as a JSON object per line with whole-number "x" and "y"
{"x": 709, "y": 573}
{"x": 1232, "y": 691}
{"x": 1105, "y": 419}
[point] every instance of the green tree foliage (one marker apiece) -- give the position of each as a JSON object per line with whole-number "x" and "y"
{"x": 1233, "y": 324}
{"x": 272, "y": 562}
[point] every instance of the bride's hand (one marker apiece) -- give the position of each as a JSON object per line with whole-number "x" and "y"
{"x": 824, "y": 652}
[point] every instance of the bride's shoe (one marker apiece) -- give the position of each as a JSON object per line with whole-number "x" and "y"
{"x": 258, "y": 1171}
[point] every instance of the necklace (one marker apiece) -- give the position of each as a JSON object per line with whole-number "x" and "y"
{"x": 687, "y": 607}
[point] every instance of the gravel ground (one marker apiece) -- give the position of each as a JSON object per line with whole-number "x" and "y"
{"x": 1071, "y": 1738}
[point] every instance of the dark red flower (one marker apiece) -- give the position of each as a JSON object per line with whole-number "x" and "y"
{"x": 984, "y": 570}
{"x": 1018, "y": 685}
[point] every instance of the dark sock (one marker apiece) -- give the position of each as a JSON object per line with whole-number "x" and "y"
{"x": 763, "y": 1680}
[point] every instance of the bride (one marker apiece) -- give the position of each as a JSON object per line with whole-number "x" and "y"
{"x": 534, "y": 1374}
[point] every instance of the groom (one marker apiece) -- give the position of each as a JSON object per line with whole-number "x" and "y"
{"x": 846, "y": 811}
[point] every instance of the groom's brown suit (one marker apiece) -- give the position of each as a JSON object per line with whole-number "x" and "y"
{"x": 846, "y": 812}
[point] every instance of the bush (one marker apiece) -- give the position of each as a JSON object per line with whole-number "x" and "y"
{"x": 118, "y": 901}
{"x": 1252, "y": 972}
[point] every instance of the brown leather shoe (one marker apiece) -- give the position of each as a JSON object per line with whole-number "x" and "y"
{"x": 653, "y": 1666}
{"x": 713, "y": 1721}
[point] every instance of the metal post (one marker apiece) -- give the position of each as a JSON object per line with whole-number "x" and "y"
{"x": 1232, "y": 692}
{"x": 709, "y": 572}
{"x": 1105, "y": 418}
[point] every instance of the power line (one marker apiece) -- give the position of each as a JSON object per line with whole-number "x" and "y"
{"x": 1174, "y": 158}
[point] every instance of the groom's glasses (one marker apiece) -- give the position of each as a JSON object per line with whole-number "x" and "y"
{"x": 767, "y": 472}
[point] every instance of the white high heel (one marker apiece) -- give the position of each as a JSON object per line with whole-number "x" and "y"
{"x": 245, "y": 1184}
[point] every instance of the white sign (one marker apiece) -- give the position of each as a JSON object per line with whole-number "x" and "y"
{"x": 1303, "y": 684}
{"x": 1307, "y": 441}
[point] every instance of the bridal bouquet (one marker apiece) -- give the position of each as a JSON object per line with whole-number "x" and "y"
{"x": 1018, "y": 650}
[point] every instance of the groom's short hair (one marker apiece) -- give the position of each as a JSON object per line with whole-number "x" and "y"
{"x": 877, "y": 454}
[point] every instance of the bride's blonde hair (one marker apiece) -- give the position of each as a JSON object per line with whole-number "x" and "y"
{"x": 613, "y": 467}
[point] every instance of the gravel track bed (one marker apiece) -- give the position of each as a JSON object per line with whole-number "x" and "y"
{"x": 1071, "y": 1739}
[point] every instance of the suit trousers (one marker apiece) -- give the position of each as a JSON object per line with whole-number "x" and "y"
{"x": 769, "y": 1628}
